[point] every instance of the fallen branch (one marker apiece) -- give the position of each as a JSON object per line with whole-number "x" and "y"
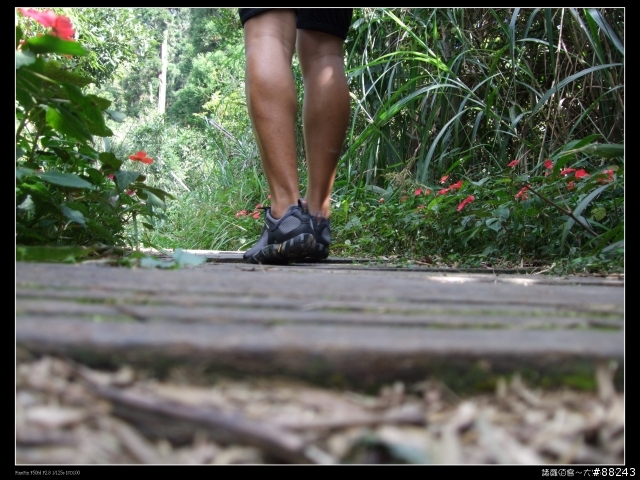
{"x": 225, "y": 428}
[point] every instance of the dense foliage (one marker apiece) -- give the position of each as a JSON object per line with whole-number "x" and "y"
{"x": 478, "y": 135}
{"x": 67, "y": 192}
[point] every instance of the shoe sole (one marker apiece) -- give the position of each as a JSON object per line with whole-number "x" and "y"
{"x": 296, "y": 248}
{"x": 320, "y": 252}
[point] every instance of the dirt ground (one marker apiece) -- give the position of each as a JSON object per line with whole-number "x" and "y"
{"x": 67, "y": 413}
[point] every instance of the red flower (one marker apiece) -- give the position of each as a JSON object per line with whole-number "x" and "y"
{"x": 427, "y": 192}
{"x": 548, "y": 164}
{"x": 60, "y": 25}
{"x": 444, "y": 179}
{"x": 256, "y": 215}
{"x": 567, "y": 171}
{"x": 522, "y": 194}
{"x": 456, "y": 186}
{"x": 442, "y": 192}
{"x": 570, "y": 185}
{"x": 111, "y": 175}
{"x": 241, "y": 213}
{"x": 513, "y": 163}
{"x": 130, "y": 192}
{"x": 141, "y": 157}
{"x": 606, "y": 172}
{"x": 417, "y": 192}
{"x": 469, "y": 199}
{"x": 581, "y": 173}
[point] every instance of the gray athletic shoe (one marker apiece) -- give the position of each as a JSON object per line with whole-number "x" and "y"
{"x": 322, "y": 234}
{"x": 285, "y": 239}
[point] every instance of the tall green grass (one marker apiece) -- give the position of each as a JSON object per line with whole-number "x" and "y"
{"x": 432, "y": 87}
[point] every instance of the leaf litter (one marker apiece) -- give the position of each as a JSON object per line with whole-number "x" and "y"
{"x": 68, "y": 413}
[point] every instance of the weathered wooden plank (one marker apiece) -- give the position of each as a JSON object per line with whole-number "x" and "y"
{"x": 353, "y": 352}
{"x": 297, "y": 302}
{"x": 363, "y": 325}
{"x": 318, "y": 285}
{"x": 336, "y": 313}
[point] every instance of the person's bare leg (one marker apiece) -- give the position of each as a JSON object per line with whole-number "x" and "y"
{"x": 272, "y": 102}
{"x": 325, "y": 112}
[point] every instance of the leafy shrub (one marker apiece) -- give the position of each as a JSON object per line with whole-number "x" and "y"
{"x": 68, "y": 192}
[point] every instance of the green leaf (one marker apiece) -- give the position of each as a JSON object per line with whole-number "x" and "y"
{"x": 116, "y": 116}
{"x": 353, "y": 223}
{"x": 494, "y": 224}
{"x": 60, "y": 74}
{"x": 27, "y": 204}
{"x": 20, "y": 152}
{"x": 24, "y": 58}
{"x": 568, "y": 80}
{"x": 152, "y": 262}
{"x": 64, "y": 179}
{"x": 480, "y": 182}
{"x": 587, "y": 200}
{"x": 124, "y": 178}
{"x": 185, "y": 258}
{"x": 89, "y": 110}
{"x": 154, "y": 200}
{"x": 156, "y": 191}
{"x": 100, "y": 102}
{"x": 599, "y": 213}
{"x": 110, "y": 160}
{"x": 22, "y": 172}
{"x": 50, "y": 44}
{"x": 502, "y": 212}
{"x": 578, "y": 211}
{"x": 67, "y": 122}
{"x": 606, "y": 28}
{"x": 51, "y": 254}
{"x": 489, "y": 249}
{"x": 73, "y": 215}
{"x": 94, "y": 175}
{"x": 603, "y": 150}
{"x": 98, "y": 230}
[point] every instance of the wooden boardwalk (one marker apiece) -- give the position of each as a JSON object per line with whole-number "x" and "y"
{"x": 332, "y": 323}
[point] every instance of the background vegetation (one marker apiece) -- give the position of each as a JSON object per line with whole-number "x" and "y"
{"x": 479, "y": 136}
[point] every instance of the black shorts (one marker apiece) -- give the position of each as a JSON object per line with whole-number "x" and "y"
{"x": 335, "y": 21}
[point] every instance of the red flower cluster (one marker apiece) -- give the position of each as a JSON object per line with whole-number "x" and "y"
{"x": 455, "y": 186}
{"x": 255, "y": 214}
{"x": 548, "y": 164}
{"x": 577, "y": 173}
{"x": 522, "y": 194}
{"x": 444, "y": 179}
{"x": 419, "y": 191}
{"x": 469, "y": 199}
{"x": 513, "y": 163}
{"x": 141, "y": 157}
{"x": 581, "y": 173}
{"x": 609, "y": 174}
{"x": 60, "y": 25}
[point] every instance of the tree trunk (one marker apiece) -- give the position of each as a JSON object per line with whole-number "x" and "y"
{"x": 162, "y": 95}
